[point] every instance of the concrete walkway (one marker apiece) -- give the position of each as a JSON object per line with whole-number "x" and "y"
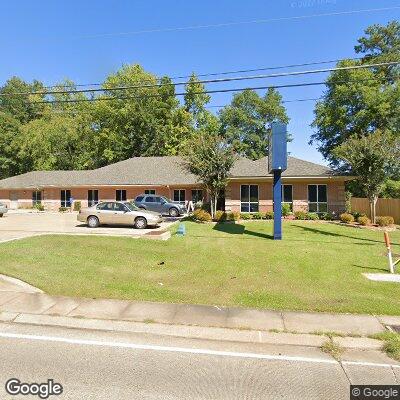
{"x": 23, "y": 301}
{"x": 20, "y": 225}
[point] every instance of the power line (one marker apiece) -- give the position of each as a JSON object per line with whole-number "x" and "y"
{"x": 283, "y": 102}
{"x": 213, "y": 106}
{"x": 227, "y": 24}
{"x": 232, "y": 72}
{"x": 294, "y": 85}
{"x": 219, "y": 80}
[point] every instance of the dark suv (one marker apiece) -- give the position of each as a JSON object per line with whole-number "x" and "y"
{"x": 160, "y": 204}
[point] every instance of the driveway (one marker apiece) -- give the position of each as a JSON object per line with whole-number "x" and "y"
{"x": 18, "y": 225}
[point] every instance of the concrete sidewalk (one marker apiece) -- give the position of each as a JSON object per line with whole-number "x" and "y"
{"x": 13, "y": 303}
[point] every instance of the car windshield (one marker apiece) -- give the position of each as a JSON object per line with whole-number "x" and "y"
{"x": 131, "y": 206}
{"x": 166, "y": 199}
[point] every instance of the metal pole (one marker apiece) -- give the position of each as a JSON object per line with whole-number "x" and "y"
{"x": 277, "y": 205}
{"x": 389, "y": 252}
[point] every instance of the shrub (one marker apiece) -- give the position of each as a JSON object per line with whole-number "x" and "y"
{"x": 302, "y": 215}
{"x": 312, "y": 216}
{"x": 384, "y": 221}
{"x": 258, "y": 215}
{"x": 357, "y": 215}
{"x": 269, "y": 215}
{"x": 364, "y": 220}
{"x": 220, "y": 216}
{"x": 63, "y": 209}
{"x": 233, "y": 216}
{"x": 201, "y": 215}
{"x": 286, "y": 210}
{"x": 77, "y": 206}
{"x": 39, "y": 207}
{"x": 245, "y": 216}
{"x": 346, "y": 218}
{"x": 327, "y": 216}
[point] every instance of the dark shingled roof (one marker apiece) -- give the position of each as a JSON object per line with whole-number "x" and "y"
{"x": 154, "y": 171}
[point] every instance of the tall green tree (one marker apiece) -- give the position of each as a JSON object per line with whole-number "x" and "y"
{"x": 210, "y": 158}
{"x": 22, "y": 107}
{"x": 55, "y": 142}
{"x": 196, "y": 100}
{"x": 381, "y": 44}
{"x": 143, "y": 121}
{"x": 246, "y": 122}
{"x": 9, "y": 132}
{"x": 359, "y": 102}
{"x": 372, "y": 159}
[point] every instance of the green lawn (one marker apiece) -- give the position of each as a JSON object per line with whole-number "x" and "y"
{"x": 318, "y": 266}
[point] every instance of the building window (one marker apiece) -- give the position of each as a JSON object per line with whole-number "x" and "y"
{"x": 317, "y": 198}
{"x": 36, "y": 197}
{"x": 249, "y": 198}
{"x": 120, "y": 195}
{"x": 150, "y": 191}
{"x": 93, "y": 197}
{"x": 287, "y": 195}
{"x": 179, "y": 195}
{"x": 65, "y": 198}
{"x": 197, "y": 195}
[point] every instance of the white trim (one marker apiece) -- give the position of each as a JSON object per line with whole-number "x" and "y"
{"x": 249, "y": 202}
{"x": 120, "y": 190}
{"x": 173, "y": 196}
{"x": 317, "y": 202}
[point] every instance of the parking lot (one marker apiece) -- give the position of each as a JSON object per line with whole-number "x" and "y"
{"x": 20, "y": 224}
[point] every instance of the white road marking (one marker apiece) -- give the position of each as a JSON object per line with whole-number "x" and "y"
{"x": 184, "y": 350}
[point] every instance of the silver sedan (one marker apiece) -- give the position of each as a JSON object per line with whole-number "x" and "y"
{"x": 118, "y": 213}
{"x": 3, "y": 209}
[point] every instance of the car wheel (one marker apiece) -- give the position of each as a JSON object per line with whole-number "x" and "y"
{"x": 1, "y": 215}
{"x": 173, "y": 212}
{"x": 140, "y": 223}
{"x": 93, "y": 222}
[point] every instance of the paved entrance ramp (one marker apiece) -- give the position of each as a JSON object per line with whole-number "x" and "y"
{"x": 9, "y": 284}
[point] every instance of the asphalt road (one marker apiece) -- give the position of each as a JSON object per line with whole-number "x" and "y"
{"x": 99, "y": 365}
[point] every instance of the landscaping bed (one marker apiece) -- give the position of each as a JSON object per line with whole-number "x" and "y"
{"x": 316, "y": 267}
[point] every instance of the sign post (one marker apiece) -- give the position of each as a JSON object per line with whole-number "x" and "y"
{"x": 277, "y": 163}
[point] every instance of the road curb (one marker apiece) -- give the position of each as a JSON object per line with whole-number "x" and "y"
{"x": 192, "y": 332}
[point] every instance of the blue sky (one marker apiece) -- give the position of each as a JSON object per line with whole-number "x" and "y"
{"x": 51, "y": 40}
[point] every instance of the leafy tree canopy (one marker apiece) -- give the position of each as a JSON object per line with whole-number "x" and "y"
{"x": 55, "y": 142}
{"x": 196, "y": 100}
{"x": 372, "y": 159}
{"x": 9, "y": 131}
{"x": 246, "y": 122}
{"x": 21, "y": 107}
{"x": 210, "y": 158}
{"x": 142, "y": 121}
{"x": 358, "y": 102}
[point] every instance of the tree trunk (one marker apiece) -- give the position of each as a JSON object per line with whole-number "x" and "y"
{"x": 375, "y": 200}
{"x": 212, "y": 205}
{"x": 372, "y": 206}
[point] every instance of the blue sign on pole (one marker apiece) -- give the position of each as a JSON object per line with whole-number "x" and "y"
{"x": 277, "y": 163}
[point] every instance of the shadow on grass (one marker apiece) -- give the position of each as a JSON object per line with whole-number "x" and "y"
{"x": 371, "y": 268}
{"x": 333, "y": 234}
{"x": 238, "y": 229}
